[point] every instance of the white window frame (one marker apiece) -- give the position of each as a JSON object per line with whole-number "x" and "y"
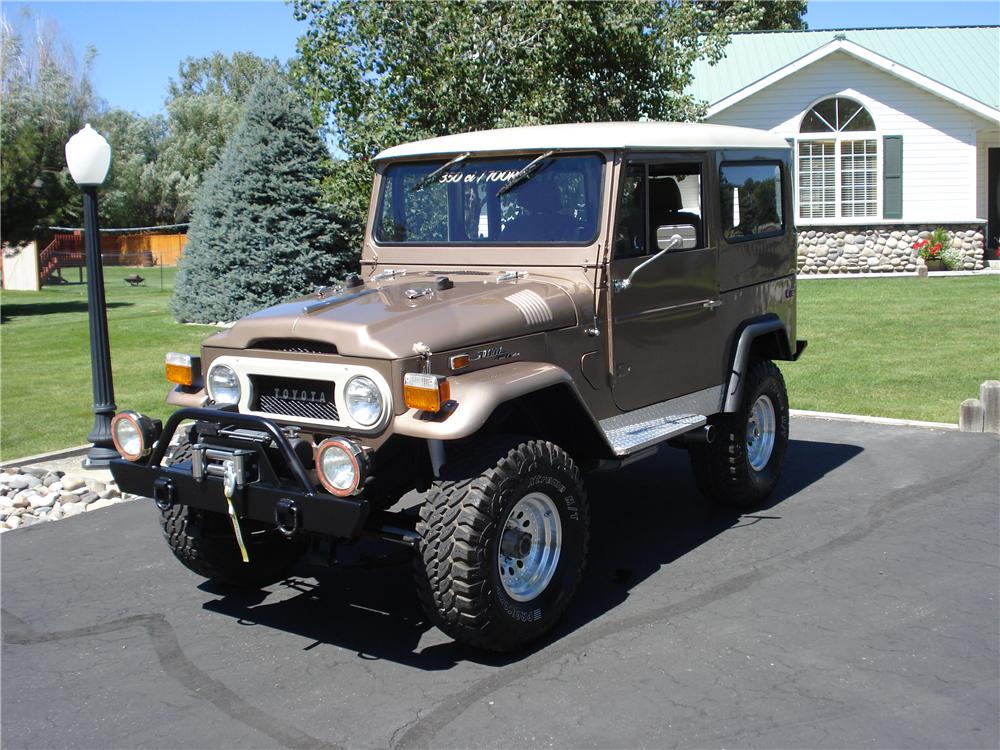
{"x": 837, "y": 138}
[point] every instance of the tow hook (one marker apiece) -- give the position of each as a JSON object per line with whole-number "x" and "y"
{"x": 286, "y": 516}
{"x": 163, "y": 493}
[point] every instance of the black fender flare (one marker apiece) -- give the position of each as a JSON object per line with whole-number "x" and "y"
{"x": 752, "y": 331}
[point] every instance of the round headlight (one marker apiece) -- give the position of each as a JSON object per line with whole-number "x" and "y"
{"x": 133, "y": 435}
{"x": 340, "y": 464}
{"x": 364, "y": 402}
{"x": 223, "y": 385}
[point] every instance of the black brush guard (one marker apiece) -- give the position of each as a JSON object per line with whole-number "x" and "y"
{"x": 290, "y": 504}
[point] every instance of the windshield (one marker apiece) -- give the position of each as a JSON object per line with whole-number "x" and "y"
{"x": 556, "y": 202}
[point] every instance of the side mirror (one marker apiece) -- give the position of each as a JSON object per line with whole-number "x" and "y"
{"x": 665, "y": 237}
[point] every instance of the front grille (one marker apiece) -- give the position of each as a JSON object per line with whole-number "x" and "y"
{"x": 311, "y": 399}
{"x": 295, "y": 346}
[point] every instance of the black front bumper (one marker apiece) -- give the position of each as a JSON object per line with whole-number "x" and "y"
{"x": 279, "y": 483}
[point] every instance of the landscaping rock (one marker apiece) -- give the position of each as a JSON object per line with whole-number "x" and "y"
{"x": 18, "y": 482}
{"x": 71, "y": 483}
{"x": 94, "y": 486}
{"x": 43, "y": 501}
{"x": 88, "y": 497}
{"x": 68, "y": 499}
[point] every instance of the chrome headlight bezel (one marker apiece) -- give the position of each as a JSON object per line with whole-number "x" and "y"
{"x": 223, "y": 384}
{"x": 365, "y": 420}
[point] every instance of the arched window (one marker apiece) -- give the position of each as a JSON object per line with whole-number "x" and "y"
{"x": 838, "y": 165}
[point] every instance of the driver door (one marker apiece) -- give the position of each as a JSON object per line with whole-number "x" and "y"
{"x": 666, "y": 337}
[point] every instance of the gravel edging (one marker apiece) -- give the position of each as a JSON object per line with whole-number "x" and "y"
{"x": 33, "y": 494}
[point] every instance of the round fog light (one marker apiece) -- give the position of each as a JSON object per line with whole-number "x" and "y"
{"x": 341, "y": 466}
{"x": 133, "y": 435}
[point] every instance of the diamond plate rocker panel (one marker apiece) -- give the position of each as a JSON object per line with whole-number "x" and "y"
{"x": 652, "y": 424}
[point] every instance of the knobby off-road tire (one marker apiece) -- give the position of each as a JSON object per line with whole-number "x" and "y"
{"x": 205, "y": 543}
{"x": 743, "y": 465}
{"x": 485, "y": 569}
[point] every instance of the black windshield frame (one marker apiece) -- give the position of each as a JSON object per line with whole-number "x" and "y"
{"x": 589, "y": 214}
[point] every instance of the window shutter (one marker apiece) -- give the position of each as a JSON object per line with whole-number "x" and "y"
{"x": 892, "y": 177}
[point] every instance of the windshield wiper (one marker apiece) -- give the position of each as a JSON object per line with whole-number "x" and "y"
{"x": 525, "y": 173}
{"x": 428, "y": 179}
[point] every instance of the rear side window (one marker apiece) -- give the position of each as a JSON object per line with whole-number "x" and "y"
{"x": 750, "y": 200}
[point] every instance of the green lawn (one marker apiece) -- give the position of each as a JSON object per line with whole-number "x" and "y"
{"x": 904, "y": 347}
{"x": 45, "y": 387}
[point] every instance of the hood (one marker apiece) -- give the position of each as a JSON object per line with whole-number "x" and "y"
{"x": 384, "y": 320}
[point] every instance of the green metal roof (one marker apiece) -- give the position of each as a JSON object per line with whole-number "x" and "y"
{"x": 966, "y": 58}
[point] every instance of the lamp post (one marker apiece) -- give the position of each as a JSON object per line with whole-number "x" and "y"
{"x": 89, "y": 157}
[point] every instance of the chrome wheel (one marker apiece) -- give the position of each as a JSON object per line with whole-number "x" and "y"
{"x": 529, "y": 546}
{"x": 760, "y": 433}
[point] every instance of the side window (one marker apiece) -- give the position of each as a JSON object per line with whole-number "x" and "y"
{"x": 750, "y": 200}
{"x": 656, "y": 195}
{"x": 675, "y": 198}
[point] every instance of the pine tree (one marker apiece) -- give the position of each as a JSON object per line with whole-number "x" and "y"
{"x": 259, "y": 233}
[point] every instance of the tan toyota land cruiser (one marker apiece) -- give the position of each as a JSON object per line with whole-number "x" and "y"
{"x": 534, "y": 303}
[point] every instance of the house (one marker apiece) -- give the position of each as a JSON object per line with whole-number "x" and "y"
{"x": 895, "y": 131}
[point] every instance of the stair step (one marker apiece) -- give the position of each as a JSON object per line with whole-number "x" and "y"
{"x": 628, "y": 438}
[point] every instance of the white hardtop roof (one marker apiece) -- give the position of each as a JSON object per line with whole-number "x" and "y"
{"x": 591, "y": 135}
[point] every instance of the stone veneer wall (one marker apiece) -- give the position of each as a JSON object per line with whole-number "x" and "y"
{"x": 883, "y": 248}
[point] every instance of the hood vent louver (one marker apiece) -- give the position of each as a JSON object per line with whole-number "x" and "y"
{"x": 294, "y": 346}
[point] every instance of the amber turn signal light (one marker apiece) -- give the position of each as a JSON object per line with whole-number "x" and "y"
{"x": 425, "y": 392}
{"x": 180, "y": 368}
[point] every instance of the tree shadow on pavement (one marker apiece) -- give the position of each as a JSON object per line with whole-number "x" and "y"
{"x": 642, "y": 519}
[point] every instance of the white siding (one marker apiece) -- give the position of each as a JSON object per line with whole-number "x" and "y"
{"x": 939, "y": 138}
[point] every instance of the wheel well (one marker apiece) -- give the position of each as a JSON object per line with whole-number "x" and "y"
{"x": 771, "y": 345}
{"x": 556, "y": 414}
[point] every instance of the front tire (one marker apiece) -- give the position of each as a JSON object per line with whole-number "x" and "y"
{"x": 205, "y": 543}
{"x": 742, "y": 467}
{"x": 503, "y": 540}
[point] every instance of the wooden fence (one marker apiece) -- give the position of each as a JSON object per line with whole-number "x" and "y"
{"x": 142, "y": 249}
{"x": 146, "y": 250}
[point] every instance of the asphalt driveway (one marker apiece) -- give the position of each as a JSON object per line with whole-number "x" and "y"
{"x": 861, "y": 609}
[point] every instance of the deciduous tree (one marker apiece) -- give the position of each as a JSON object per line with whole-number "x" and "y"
{"x": 379, "y": 72}
{"x": 46, "y": 96}
{"x": 204, "y": 104}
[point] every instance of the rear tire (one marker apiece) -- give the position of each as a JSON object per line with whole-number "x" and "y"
{"x": 743, "y": 465}
{"x": 503, "y": 540}
{"x": 204, "y": 542}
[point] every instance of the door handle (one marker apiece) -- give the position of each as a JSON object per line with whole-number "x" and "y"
{"x": 712, "y": 304}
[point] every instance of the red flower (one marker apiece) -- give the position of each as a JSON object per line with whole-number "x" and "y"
{"x": 919, "y": 244}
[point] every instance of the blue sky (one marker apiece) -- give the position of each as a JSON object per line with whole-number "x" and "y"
{"x": 140, "y": 44}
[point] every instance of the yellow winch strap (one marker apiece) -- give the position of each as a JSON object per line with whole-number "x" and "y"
{"x": 236, "y": 523}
